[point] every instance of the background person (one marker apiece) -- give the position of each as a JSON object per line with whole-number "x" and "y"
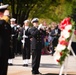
{"x": 26, "y": 42}
{"x": 73, "y": 44}
{"x": 5, "y": 33}
{"x": 13, "y": 41}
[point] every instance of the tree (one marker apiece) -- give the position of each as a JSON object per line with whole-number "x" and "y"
{"x": 54, "y": 10}
{"x": 20, "y": 9}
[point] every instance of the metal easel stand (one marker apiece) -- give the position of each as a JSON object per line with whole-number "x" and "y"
{"x": 61, "y": 70}
{"x": 64, "y": 67}
{"x": 65, "y": 64}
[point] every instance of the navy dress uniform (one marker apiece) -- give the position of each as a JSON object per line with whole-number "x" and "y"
{"x": 18, "y": 44}
{"x": 5, "y": 33}
{"x": 36, "y": 46}
{"x": 25, "y": 33}
{"x": 13, "y": 41}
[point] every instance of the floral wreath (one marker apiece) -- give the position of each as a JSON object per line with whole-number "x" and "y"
{"x": 61, "y": 51}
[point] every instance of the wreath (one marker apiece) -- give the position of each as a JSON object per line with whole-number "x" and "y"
{"x": 61, "y": 50}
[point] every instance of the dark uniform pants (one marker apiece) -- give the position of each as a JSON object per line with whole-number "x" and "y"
{"x": 36, "y": 55}
{"x": 73, "y": 45}
{"x": 3, "y": 66}
{"x": 26, "y": 52}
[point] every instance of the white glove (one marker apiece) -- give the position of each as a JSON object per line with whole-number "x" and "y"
{"x": 12, "y": 35}
{"x": 22, "y": 41}
{"x": 40, "y": 26}
{"x": 24, "y": 36}
{"x": 44, "y": 27}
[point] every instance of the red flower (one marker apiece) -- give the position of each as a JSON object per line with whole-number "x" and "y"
{"x": 61, "y": 53}
{"x": 69, "y": 30}
{"x": 68, "y": 20}
{"x": 58, "y": 60}
{"x": 64, "y": 23}
{"x": 63, "y": 42}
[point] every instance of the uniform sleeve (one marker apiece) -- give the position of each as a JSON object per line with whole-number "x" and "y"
{"x": 2, "y": 23}
{"x": 34, "y": 32}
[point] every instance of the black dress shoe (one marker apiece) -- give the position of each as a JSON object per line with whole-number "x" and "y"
{"x": 25, "y": 65}
{"x": 10, "y": 64}
{"x": 37, "y": 73}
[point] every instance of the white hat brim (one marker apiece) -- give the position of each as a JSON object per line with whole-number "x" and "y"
{"x": 4, "y": 6}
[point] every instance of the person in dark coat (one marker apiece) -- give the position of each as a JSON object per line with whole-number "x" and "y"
{"x": 73, "y": 43}
{"x": 26, "y": 43}
{"x": 5, "y": 32}
{"x": 55, "y": 33}
{"x": 13, "y": 41}
{"x": 36, "y": 45}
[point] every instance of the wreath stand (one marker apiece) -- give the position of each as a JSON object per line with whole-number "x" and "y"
{"x": 64, "y": 65}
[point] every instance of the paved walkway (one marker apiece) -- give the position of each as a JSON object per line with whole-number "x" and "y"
{"x": 47, "y": 66}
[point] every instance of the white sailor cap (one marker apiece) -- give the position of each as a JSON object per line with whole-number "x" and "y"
{"x": 35, "y": 20}
{"x": 26, "y": 21}
{"x": 2, "y": 7}
{"x": 12, "y": 19}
